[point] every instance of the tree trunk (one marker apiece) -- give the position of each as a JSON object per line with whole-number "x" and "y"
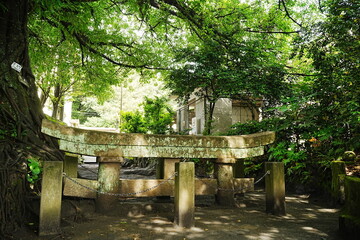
{"x": 20, "y": 115}
{"x": 209, "y": 113}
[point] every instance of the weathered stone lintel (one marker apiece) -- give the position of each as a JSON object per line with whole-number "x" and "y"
{"x": 77, "y": 135}
{"x": 202, "y": 187}
{"x": 160, "y": 151}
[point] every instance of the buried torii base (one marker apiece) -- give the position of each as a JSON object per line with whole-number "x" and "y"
{"x": 224, "y": 150}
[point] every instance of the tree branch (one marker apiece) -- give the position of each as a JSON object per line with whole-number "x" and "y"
{"x": 282, "y": 2}
{"x": 270, "y": 32}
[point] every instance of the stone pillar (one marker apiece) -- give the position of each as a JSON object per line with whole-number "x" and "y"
{"x": 71, "y": 165}
{"x": 224, "y": 174}
{"x": 164, "y": 170}
{"x": 275, "y": 188}
{"x": 239, "y": 168}
{"x": 338, "y": 173}
{"x": 184, "y": 194}
{"x": 349, "y": 219}
{"x": 50, "y": 202}
{"x": 109, "y": 182}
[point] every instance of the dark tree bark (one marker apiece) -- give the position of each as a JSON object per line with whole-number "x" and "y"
{"x": 20, "y": 115}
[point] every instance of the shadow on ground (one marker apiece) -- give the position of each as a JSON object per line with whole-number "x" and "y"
{"x": 149, "y": 219}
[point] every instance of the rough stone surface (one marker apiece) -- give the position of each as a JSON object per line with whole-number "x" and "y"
{"x": 338, "y": 172}
{"x": 107, "y": 144}
{"x": 71, "y": 165}
{"x": 77, "y": 135}
{"x": 108, "y": 182}
{"x": 51, "y": 194}
{"x": 184, "y": 194}
{"x": 153, "y": 151}
{"x": 224, "y": 176}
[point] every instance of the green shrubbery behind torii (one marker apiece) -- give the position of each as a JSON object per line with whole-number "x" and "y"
{"x": 156, "y": 118}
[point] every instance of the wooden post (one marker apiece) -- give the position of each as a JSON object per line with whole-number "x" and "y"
{"x": 71, "y": 165}
{"x": 109, "y": 182}
{"x": 239, "y": 168}
{"x": 50, "y": 202}
{"x": 275, "y": 188}
{"x": 184, "y": 194}
{"x": 224, "y": 174}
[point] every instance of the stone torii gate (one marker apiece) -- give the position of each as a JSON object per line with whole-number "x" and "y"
{"x": 111, "y": 148}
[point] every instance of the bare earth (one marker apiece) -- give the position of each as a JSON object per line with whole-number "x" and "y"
{"x": 307, "y": 218}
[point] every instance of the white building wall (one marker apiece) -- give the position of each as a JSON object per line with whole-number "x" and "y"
{"x": 222, "y": 117}
{"x": 200, "y": 116}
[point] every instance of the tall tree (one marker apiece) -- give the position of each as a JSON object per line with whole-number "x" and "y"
{"x": 20, "y": 113}
{"x": 100, "y": 40}
{"x": 244, "y": 55}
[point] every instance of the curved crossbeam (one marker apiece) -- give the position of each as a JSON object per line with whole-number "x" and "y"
{"x": 106, "y": 144}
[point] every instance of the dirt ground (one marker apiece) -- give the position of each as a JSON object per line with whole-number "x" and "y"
{"x": 306, "y": 218}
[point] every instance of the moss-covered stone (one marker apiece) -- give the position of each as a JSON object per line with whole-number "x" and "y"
{"x": 349, "y": 226}
{"x": 352, "y": 195}
{"x": 337, "y": 187}
{"x": 349, "y": 156}
{"x": 349, "y": 220}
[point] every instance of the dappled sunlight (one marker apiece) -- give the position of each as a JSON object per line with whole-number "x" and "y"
{"x": 302, "y": 221}
{"x": 314, "y": 231}
{"x": 327, "y": 210}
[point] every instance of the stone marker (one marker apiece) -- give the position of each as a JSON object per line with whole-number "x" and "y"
{"x": 50, "y": 202}
{"x": 108, "y": 182}
{"x": 184, "y": 194}
{"x": 338, "y": 173}
{"x": 275, "y": 188}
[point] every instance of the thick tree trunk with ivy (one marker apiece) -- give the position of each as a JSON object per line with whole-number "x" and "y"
{"x": 20, "y": 116}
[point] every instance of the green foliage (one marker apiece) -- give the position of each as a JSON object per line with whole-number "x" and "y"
{"x": 132, "y": 122}
{"x": 158, "y": 115}
{"x": 157, "y": 118}
{"x": 268, "y": 124}
{"x": 34, "y": 170}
